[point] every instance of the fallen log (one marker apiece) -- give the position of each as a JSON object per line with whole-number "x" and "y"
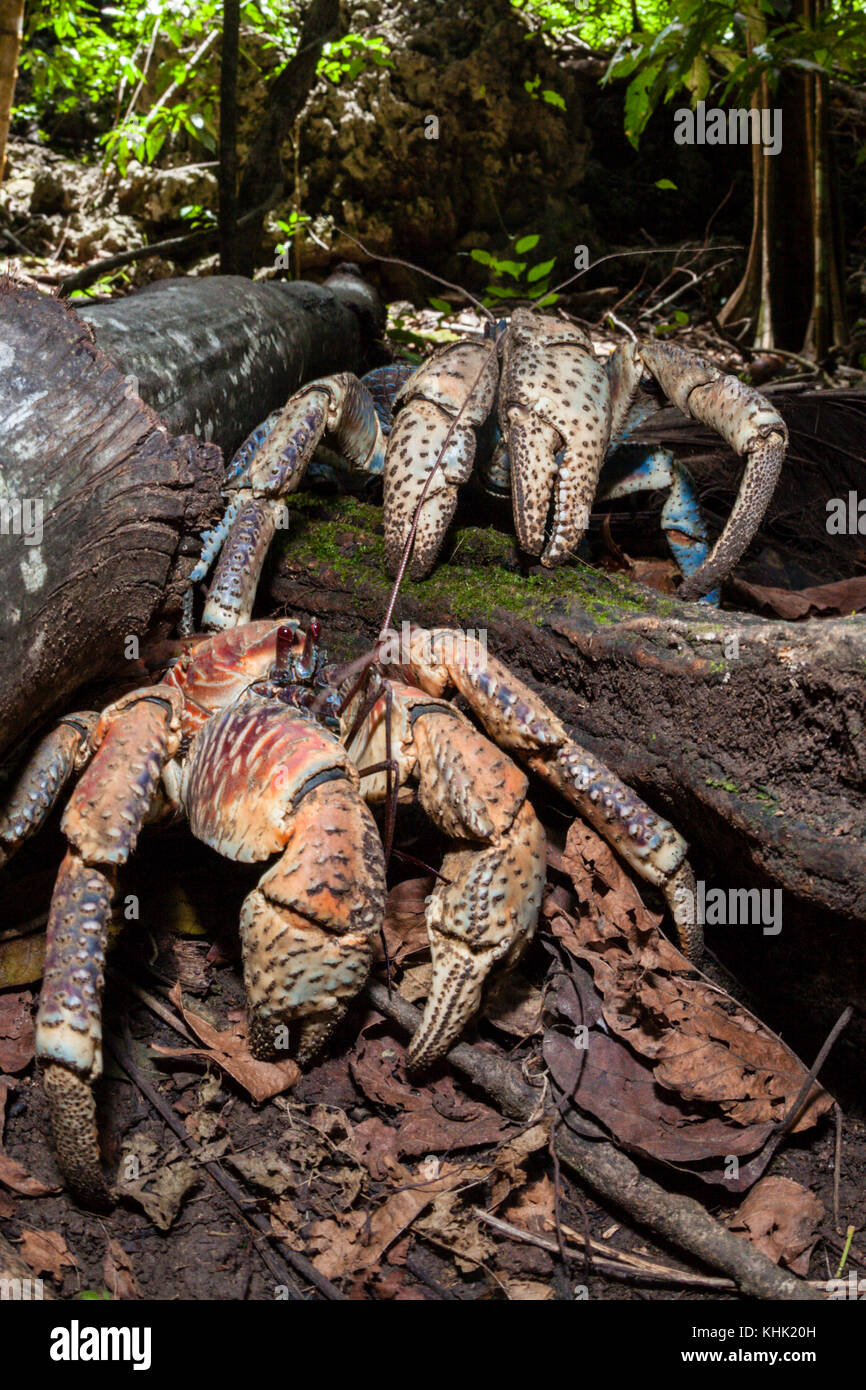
{"x": 100, "y": 505}
{"x": 747, "y": 733}
{"x": 214, "y": 356}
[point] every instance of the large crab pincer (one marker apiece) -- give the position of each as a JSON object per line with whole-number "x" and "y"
{"x": 248, "y": 739}
{"x": 560, "y": 427}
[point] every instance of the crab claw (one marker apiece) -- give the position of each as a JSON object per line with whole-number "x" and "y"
{"x": 432, "y": 447}
{"x": 554, "y": 409}
{"x": 748, "y": 423}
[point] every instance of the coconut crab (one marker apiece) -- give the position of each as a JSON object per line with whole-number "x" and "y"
{"x": 563, "y": 419}
{"x": 269, "y": 757}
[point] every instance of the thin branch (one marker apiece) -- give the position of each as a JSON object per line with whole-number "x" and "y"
{"x": 612, "y": 1175}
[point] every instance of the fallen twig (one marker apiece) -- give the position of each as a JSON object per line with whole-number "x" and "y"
{"x": 248, "y": 1213}
{"x": 620, "y": 1264}
{"x": 613, "y": 1175}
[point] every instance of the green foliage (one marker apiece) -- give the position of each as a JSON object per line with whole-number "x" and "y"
{"x": 552, "y": 98}
{"x": 112, "y": 282}
{"x": 516, "y": 279}
{"x": 726, "y": 47}
{"x": 350, "y": 55}
{"x": 83, "y": 55}
{"x": 199, "y": 219}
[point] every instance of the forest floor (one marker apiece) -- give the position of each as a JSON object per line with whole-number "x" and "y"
{"x": 394, "y": 1187}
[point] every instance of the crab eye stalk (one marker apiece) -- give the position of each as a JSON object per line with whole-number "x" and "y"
{"x": 282, "y": 668}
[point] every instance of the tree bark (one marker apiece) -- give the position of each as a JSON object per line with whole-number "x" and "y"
{"x": 214, "y": 356}
{"x": 101, "y": 508}
{"x": 228, "y": 171}
{"x": 286, "y": 97}
{"x": 11, "y": 21}
{"x": 791, "y": 295}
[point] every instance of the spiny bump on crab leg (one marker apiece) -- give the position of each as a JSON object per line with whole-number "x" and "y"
{"x": 748, "y": 423}
{"x": 37, "y": 787}
{"x": 133, "y": 739}
{"x": 518, "y": 720}
{"x": 486, "y": 912}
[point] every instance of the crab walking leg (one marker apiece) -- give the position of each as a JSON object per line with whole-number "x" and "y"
{"x": 261, "y": 780}
{"x": 516, "y": 719}
{"x": 269, "y": 470}
{"x": 681, "y": 519}
{"x": 39, "y": 784}
{"x": 431, "y": 448}
{"x": 134, "y": 738}
{"x": 554, "y": 410}
{"x": 748, "y": 423}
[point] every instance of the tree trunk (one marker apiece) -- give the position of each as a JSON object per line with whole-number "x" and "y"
{"x": 791, "y": 295}
{"x": 263, "y": 168}
{"x": 214, "y": 356}
{"x": 11, "y": 21}
{"x": 228, "y": 172}
{"x": 100, "y": 509}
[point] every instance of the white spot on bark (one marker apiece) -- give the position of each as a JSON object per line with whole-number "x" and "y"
{"x": 33, "y": 570}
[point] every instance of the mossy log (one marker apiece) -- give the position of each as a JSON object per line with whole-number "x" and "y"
{"x": 747, "y": 733}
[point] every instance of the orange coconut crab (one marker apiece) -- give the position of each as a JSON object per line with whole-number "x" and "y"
{"x": 249, "y": 739}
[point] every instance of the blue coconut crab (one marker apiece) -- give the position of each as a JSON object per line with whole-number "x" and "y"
{"x": 270, "y": 755}
{"x": 563, "y": 419}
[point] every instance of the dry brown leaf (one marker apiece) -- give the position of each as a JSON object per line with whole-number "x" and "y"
{"x": 782, "y": 1220}
{"x": 159, "y": 1181}
{"x": 527, "y": 1290}
{"x": 436, "y": 1118}
{"x": 532, "y": 1206}
{"x": 117, "y": 1272}
{"x": 264, "y": 1169}
{"x": 46, "y": 1252}
{"x": 17, "y": 1031}
{"x": 229, "y": 1050}
{"x": 704, "y": 1045}
{"x": 405, "y": 926}
{"x": 843, "y": 596}
{"x": 513, "y": 1005}
{"x": 359, "y": 1240}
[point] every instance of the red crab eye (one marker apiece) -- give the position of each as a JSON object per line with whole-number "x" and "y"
{"x": 314, "y": 628}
